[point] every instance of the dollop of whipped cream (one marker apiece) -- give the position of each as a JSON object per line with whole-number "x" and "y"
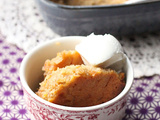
{"x": 100, "y": 50}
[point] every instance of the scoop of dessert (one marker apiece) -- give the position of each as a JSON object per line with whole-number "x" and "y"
{"x": 101, "y": 51}
{"x": 81, "y": 77}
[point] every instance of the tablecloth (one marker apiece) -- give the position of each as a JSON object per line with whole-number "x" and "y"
{"x": 22, "y": 28}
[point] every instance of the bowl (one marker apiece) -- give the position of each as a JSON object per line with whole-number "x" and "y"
{"x": 31, "y": 75}
{"x": 122, "y": 19}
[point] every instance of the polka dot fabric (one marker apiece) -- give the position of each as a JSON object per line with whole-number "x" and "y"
{"x": 143, "y": 102}
{"x": 12, "y": 104}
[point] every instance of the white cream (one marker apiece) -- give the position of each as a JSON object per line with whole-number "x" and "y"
{"x": 100, "y": 50}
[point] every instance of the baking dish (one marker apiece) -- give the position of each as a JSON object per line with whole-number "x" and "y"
{"x": 122, "y": 19}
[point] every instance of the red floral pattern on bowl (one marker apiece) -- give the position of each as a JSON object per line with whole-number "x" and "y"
{"x": 41, "y": 111}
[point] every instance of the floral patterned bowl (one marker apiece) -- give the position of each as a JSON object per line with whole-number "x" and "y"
{"x": 31, "y": 75}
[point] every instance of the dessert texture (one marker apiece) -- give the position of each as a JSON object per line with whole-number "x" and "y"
{"x": 69, "y": 82}
{"x": 62, "y": 59}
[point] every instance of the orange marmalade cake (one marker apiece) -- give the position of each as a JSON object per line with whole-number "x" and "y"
{"x": 89, "y": 2}
{"x": 77, "y": 85}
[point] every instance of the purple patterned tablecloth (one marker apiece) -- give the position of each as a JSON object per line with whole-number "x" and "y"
{"x": 143, "y": 102}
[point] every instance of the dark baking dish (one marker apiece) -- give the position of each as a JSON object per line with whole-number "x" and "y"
{"x": 120, "y": 19}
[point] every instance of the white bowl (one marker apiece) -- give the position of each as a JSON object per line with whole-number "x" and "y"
{"x": 31, "y": 75}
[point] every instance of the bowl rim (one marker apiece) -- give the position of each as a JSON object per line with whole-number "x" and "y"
{"x": 66, "y": 108}
{"x": 52, "y": 4}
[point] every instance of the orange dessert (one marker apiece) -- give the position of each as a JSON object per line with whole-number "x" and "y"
{"x": 69, "y": 82}
{"x": 62, "y": 59}
{"x": 89, "y": 2}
